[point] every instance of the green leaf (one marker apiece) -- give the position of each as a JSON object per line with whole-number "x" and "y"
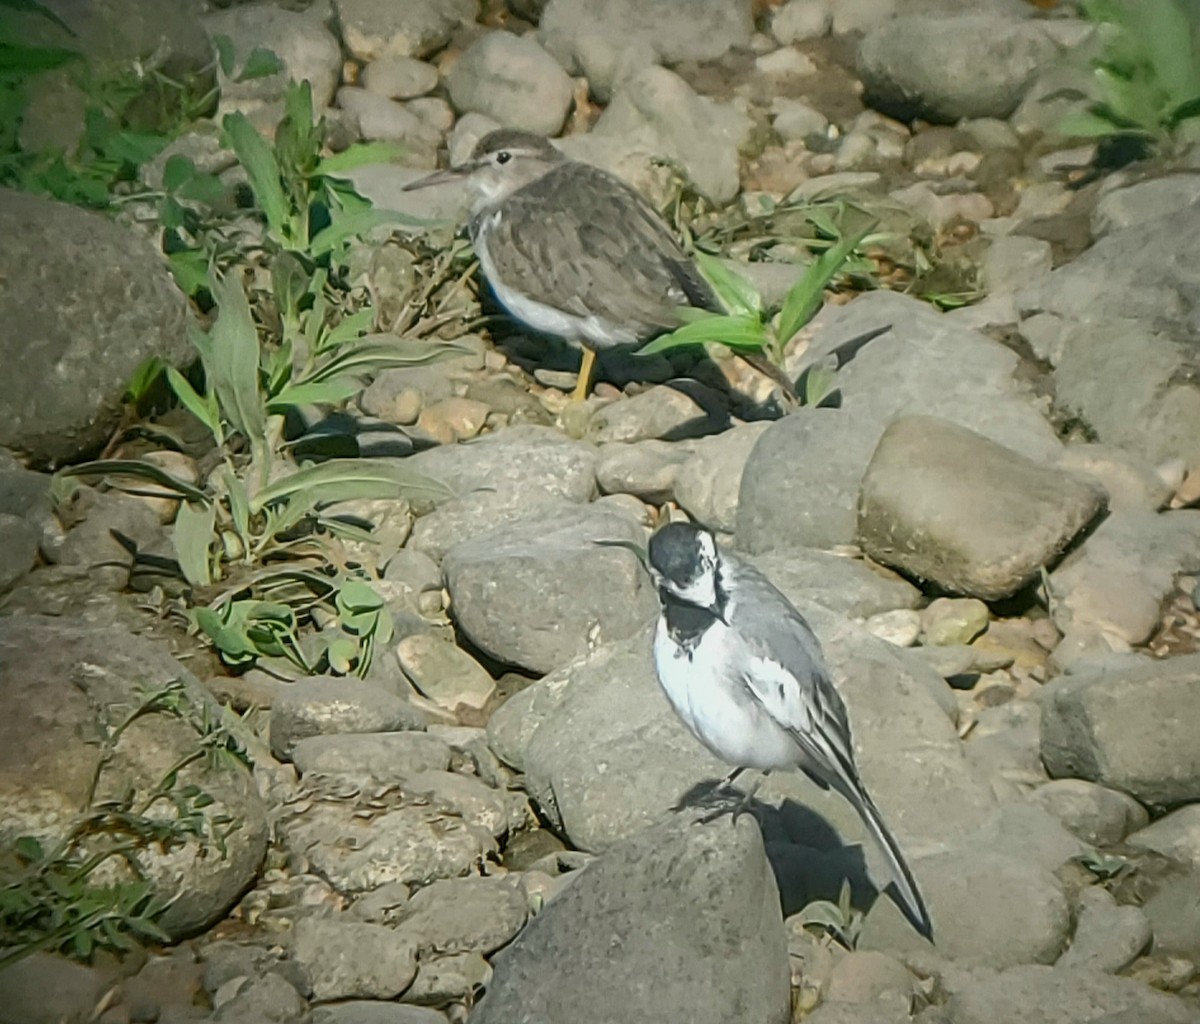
{"x": 263, "y": 171}
{"x": 192, "y": 538}
{"x": 190, "y": 270}
{"x": 737, "y": 294}
{"x": 341, "y": 654}
{"x": 29, "y": 848}
{"x": 119, "y": 468}
{"x": 744, "y": 332}
{"x": 143, "y": 379}
{"x": 226, "y": 54}
{"x": 16, "y": 59}
{"x": 352, "y": 225}
{"x": 176, "y": 171}
{"x": 239, "y": 504}
{"x": 1083, "y": 124}
{"x": 230, "y": 353}
{"x": 383, "y": 351}
{"x": 34, "y": 7}
{"x": 262, "y": 63}
{"x": 204, "y": 188}
{"x": 317, "y": 393}
{"x": 359, "y": 155}
{"x": 349, "y": 329}
{"x": 805, "y": 297}
{"x": 348, "y": 479}
{"x": 357, "y": 596}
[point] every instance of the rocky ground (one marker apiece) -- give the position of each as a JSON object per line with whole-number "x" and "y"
{"x": 991, "y": 528}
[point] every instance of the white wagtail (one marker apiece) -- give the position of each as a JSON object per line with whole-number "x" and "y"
{"x": 744, "y": 671}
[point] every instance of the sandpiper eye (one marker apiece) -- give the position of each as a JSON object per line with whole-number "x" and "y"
{"x": 503, "y": 157}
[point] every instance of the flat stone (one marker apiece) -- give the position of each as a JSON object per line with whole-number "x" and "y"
{"x": 681, "y": 922}
{"x": 1144, "y": 201}
{"x": 846, "y": 585}
{"x": 801, "y": 483}
{"x": 1175, "y": 835}
{"x": 464, "y": 915}
{"x": 323, "y": 705}
{"x": 400, "y": 78}
{"x": 1107, "y": 937}
{"x": 547, "y": 615}
{"x": 352, "y": 960}
{"x": 943, "y": 67}
{"x": 646, "y": 469}
{"x": 367, "y": 1011}
{"x": 512, "y": 80}
{"x": 1096, "y": 814}
{"x": 948, "y": 505}
{"x": 948, "y": 620}
{"x": 452, "y": 978}
{"x": 1127, "y": 728}
{"x": 270, "y": 998}
{"x": 383, "y": 755}
{"x": 19, "y": 541}
{"x": 444, "y": 673}
{"x": 1061, "y": 995}
{"x": 670, "y": 412}
{"x": 709, "y": 482}
{"x": 377, "y": 28}
{"x": 46, "y": 989}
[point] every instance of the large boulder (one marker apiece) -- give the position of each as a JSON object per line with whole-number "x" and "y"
{"x": 84, "y": 302}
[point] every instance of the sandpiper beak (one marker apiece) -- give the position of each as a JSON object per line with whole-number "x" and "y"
{"x": 437, "y": 178}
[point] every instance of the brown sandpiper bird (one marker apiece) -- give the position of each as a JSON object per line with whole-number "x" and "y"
{"x": 571, "y": 250}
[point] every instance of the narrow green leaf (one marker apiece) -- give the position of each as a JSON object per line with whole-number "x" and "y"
{"x": 226, "y": 55}
{"x": 347, "y": 226}
{"x": 805, "y": 297}
{"x": 347, "y": 479}
{"x": 119, "y": 468}
{"x": 745, "y": 332}
{"x": 17, "y": 59}
{"x": 360, "y": 155}
{"x": 317, "y": 393}
{"x": 263, "y": 171}
{"x": 349, "y": 329}
{"x": 383, "y": 351}
{"x": 737, "y": 294}
{"x": 232, "y": 362}
{"x": 192, "y": 538}
{"x": 239, "y": 505}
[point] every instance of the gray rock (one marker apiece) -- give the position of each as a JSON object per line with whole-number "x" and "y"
{"x": 944, "y": 68}
{"x": 270, "y": 999}
{"x": 1143, "y": 202}
{"x": 1175, "y": 835}
{"x": 1130, "y": 483}
{"x": 306, "y": 48}
{"x": 801, "y": 483}
{"x": 365, "y": 1011}
{"x": 47, "y": 989}
{"x": 1119, "y": 580}
{"x": 596, "y": 40}
{"x": 670, "y": 412}
{"x": 871, "y": 979}
{"x": 378, "y": 28}
{"x": 797, "y": 121}
{"x": 846, "y": 585}
{"x": 414, "y": 842}
{"x": 24, "y": 493}
{"x": 85, "y": 301}
{"x": 1095, "y": 814}
{"x": 324, "y": 705}
{"x": 1013, "y": 262}
{"x": 19, "y": 541}
{"x": 1059, "y": 995}
{"x": 351, "y": 960}
{"x": 383, "y": 755}
{"x": 1107, "y": 937}
{"x": 680, "y": 922}
{"x": 710, "y": 481}
{"x": 1131, "y": 382}
{"x": 464, "y": 915}
{"x": 656, "y": 114}
{"x": 948, "y": 505}
{"x": 800, "y": 20}
{"x": 1174, "y": 911}
{"x": 383, "y": 119}
{"x": 989, "y": 908}
{"x": 59, "y": 680}
{"x": 474, "y": 801}
{"x": 454, "y": 978}
{"x": 948, "y": 620}
{"x": 562, "y": 592}
{"x": 90, "y": 543}
{"x": 646, "y": 469}
{"x": 1127, "y": 728}
{"x": 513, "y": 80}
{"x": 444, "y": 673}
{"x": 1005, "y": 745}
{"x": 901, "y": 627}
{"x": 399, "y": 78}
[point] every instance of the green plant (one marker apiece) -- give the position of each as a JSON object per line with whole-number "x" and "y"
{"x": 1144, "y": 80}
{"x": 50, "y": 895}
{"x": 840, "y": 919}
{"x": 745, "y": 327}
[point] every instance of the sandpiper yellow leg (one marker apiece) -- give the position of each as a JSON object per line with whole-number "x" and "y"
{"x": 583, "y": 385}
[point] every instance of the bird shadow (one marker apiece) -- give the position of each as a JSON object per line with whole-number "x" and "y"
{"x": 807, "y": 855}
